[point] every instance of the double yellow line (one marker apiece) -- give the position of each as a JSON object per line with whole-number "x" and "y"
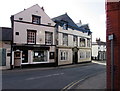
{"x": 69, "y": 86}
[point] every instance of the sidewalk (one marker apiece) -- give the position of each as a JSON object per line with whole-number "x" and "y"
{"x": 96, "y": 82}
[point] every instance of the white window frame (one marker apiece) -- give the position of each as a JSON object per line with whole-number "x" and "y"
{"x": 63, "y": 55}
{"x": 65, "y": 39}
{"x": 47, "y": 56}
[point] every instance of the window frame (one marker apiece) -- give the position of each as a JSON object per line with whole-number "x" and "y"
{"x": 34, "y": 31}
{"x": 81, "y": 42}
{"x": 75, "y": 40}
{"x": 38, "y": 17}
{"x": 65, "y": 41}
{"x": 50, "y": 38}
{"x": 63, "y": 55}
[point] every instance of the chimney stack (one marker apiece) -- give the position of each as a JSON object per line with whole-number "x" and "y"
{"x": 42, "y": 8}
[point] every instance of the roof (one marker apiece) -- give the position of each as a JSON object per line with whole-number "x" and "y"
{"x": 6, "y": 34}
{"x": 99, "y": 43}
{"x": 65, "y": 18}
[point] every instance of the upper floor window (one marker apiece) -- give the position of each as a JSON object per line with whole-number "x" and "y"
{"x": 65, "y": 26}
{"x": 75, "y": 40}
{"x": 49, "y": 38}
{"x": 88, "y": 42}
{"x": 65, "y": 39}
{"x": 82, "y": 42}
{"x": 31, "y": 37}
{"x": 36, "y": 19}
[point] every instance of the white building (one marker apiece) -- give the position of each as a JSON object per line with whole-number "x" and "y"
{"x": 73, "y": 42}
{"x": 33, "y": 38}
{"x": 99, "y": 50}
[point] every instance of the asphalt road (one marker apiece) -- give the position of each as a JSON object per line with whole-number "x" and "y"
{"x": 53, "y": 78}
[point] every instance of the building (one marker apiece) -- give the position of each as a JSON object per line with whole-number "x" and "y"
{"x": 5, "y": 47}
{"x": 99, "y": 50}
{"x": 73, "y": 44}
{"x": 113, "y": 44}
{"x": 33, "y": 38}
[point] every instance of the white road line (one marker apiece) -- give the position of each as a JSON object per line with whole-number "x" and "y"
{"x": 38, "y": 77}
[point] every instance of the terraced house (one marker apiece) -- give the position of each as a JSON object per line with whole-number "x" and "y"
{"x": 73, "y": 41}
{"x": 37, "y": 40}
{"x": 33, "y": 38}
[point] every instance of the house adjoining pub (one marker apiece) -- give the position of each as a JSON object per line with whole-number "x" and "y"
{"x": 73, "y": 41}
{"x": 33, "y": 38}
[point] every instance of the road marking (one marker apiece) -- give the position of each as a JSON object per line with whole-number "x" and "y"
{"x": 38, "y": 77}
{"x": 69, "y": 86}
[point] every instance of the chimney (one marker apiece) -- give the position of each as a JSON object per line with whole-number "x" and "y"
{"x": 42, "y": 8}
{"x": 97, "y": 40}
{"x": 80, "y": 22}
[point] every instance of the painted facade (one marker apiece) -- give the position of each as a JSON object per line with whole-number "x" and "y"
{"x": 33, "y": 37}
{"x": 37, "y": 40}
{"x": 73, "y": 43}
{"x": 99, "y": 50}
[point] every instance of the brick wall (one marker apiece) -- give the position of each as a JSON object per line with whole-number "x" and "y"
{"x": 113, "y": 26}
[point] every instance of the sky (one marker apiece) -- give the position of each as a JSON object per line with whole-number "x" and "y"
{"x": 90, "y": 12}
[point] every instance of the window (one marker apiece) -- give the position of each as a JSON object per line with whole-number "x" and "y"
{"x": 31, "y": 37}
{"x": 88, "y": 54}
{"x": 65, "y": 39}
{"x": 36, "y": 19}
{"x": 82, "y": 42}
{"x": 82, "y": 55}
{"x": 65, "y": 26}
{"x": 48, "y": 38}
{"x": 88, "y": 43}
{"x": 40, "y": 56}
{"x": 75, "y": 40}
{"x": 16, "y": 33}
{"x": 64, "y": 55}
{"x": 8, "y": 54}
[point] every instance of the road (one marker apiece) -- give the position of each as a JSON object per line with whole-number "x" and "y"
{"x": 53, "y": 78}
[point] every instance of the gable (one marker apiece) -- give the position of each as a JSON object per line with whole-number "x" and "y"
{"x": 26, "y": 15}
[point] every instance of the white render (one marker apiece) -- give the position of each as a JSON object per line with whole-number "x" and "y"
{"x": 23, "y": 22}
{"x": 68, "y": 48}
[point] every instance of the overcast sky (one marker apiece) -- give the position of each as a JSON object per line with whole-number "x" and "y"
{"x": 90, "y": 12}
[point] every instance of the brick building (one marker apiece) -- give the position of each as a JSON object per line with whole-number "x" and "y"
{"x": 113, "y": 27}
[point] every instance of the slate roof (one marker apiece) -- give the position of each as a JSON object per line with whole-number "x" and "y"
{"x": 65, "y": 18}
{"x": 6, "y": 34}
{"x": 99, "y": 43}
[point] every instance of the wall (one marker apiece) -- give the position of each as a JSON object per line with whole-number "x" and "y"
{"x": 113, "y": 27}
{"x": 6, "y": 45}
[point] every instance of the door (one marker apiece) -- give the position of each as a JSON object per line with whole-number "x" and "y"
{"x": 75, "y": 56}
{"x": 17, "y": 58}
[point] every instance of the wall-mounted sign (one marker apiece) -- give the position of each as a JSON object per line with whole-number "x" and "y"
{"x": 110, "y": 37}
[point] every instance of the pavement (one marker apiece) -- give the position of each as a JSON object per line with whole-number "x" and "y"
{"x": 97, "y": 81}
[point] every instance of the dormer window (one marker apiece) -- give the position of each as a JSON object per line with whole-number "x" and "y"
{"x": 36, "y": 19}
{"x": 65, "y": 26}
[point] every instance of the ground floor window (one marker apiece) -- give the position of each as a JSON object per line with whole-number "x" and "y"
{"x": 88, "y": 54}
{"x": 82, "y": 54}
{"x": 40, "y": 56}
{"x": 64, "y": 55}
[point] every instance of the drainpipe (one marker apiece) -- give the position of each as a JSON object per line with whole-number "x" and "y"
{"x": 12, "y": 26}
